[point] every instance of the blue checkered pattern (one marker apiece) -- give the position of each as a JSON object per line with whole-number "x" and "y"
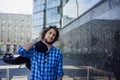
{"x": 43, "y": 67}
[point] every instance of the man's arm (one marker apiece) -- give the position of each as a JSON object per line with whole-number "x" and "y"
{"x": 28, "y": 45}
{"x": 60, "y": 67}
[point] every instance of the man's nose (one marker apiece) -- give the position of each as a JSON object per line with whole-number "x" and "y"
{"x": 51, "y": 35}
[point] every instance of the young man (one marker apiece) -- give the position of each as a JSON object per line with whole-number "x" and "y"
{"x": 48, "y": 65}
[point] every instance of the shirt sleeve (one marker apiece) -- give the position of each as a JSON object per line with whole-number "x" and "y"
{"x": 60, "y": 66}
{"x": 25, "y": 53}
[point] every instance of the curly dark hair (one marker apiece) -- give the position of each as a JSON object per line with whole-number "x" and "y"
{"x": 47, "y": 29}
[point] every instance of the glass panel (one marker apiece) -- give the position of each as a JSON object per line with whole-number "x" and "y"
{"x": 38, "y": 19}
{"x": 52, "y": 16}
{"x": 56, "y": 24}
{"x": 38, "y": 8}
{"x": 36, "y": 31}
{"x": 53, "y": 3}
{"x": 38, "y": 2}
{"x": 83, "y": 5}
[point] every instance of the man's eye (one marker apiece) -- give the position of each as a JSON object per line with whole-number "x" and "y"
{"x": 53, "y": 35}
{"x": 50, "y": 32}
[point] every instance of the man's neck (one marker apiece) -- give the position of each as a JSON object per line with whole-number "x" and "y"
{"x": 48, "y": 45}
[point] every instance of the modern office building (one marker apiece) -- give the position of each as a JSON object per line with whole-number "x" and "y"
{"x": 45, "y": 13}
{"x": 15, "y": 29}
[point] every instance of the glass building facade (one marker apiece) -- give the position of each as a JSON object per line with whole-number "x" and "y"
{"x": 45, "y": 13}
{"x": 57, "y": 12}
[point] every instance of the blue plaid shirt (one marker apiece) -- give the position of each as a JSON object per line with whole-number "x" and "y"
{"x": 44, "y": 67}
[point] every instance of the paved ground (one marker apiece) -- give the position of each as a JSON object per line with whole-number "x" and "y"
{"x": 20, "y": 72}
{"x": 72, "y": 71}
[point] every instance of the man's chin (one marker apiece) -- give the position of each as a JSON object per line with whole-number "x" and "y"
{"x": 48, "y": 42}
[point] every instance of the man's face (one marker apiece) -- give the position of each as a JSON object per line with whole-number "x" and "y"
{"x": 50, "y": 36}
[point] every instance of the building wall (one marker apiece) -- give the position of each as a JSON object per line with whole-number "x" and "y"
{"x": 105, "y": 9}
{"x": 15, "y": 29}
{"x": 90, "y": 36}
{"x": 66, "y": 20}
